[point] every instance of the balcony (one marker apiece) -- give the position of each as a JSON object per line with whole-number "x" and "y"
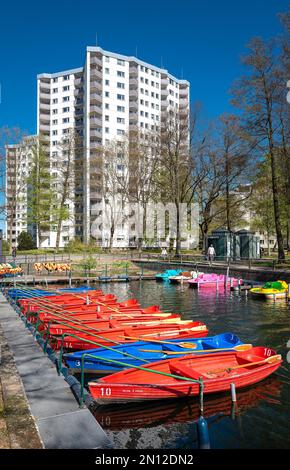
{"x": 96, "y": 145}
{"x": 133, "y": 105}
{"x": 78, "y": 82}
{"x": 164, "y": 83}
{"x": 44, "y": 106}
{"x": 96, "y": 132}
{"x": 44, "y": 127}
{"x": 96, "y": 73}
{"x": 95, "y": 122}
{"x": 95, "y": 109}
{"x": 96, "y": 61}
{"x": 44, "y": 90}
{"x": 133, "y": 83}
{"x": 133, "y": 71}
{"x": 96, "y": 84}
{"x": 183, "y": 102}
{"x": 133, "y": 94}
{"x": 95, "y": 97}
{"x": 79, "y": 112}
{"x": 44, "y": 95}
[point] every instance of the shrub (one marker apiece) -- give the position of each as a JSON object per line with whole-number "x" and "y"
{"x": 25, "y": 241}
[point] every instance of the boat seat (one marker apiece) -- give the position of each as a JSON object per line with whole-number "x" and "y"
{"x": 184, "y": 371}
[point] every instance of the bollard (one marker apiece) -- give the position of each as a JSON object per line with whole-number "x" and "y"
{"x": 233, "y": 393}
{"x": 202, "y": 433}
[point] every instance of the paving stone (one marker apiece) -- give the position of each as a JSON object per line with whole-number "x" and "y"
{"x": 77, "y": 430}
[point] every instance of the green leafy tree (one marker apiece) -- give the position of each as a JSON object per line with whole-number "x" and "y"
{"x": 25, "y": 241}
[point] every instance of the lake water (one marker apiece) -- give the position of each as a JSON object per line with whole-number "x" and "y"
{"x": 262, "y": 418}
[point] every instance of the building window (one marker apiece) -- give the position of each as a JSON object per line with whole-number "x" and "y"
{"x": 65, "y": 88}
{"x": 54, "y": 132}
{"x": 54, "y": 111}
{"x": 65, "y": 120}
{"x": 55, "y": 80}
{"x": 120, "y": 85}
{"x": 107, "y": 130}
{"x": 54, "y": 90}
{"x": 107, "y": 59}
{"x": 54, "y": 121}
{"x": 120, "y": 73}
{"x": 55, "y": 100}
{"x": 107, "y": 70}
{"x": 106, "y": 105}
{"x": 107, "y": 82}
{"x": 65, "y": 110}
{"x": 66, "y": 77}
{"x": 120, "y": 62}
{"x": 121, "y": 97}
{"x": 121, "y": 109}
{"x": 65, "y": 98}
{"x": 107, "y": 94}
{"x": 120, "y": 120}
{"x": 120, "y": 132}
{"x": 107, "y": 118}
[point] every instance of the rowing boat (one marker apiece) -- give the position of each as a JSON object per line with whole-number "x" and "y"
{"x": 144, "y": 352}
{"x": 217, "y": 371}
{"x": 122, "y": 335}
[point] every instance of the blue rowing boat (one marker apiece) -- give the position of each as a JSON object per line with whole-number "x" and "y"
{"x": 18, "y": 293}
{"x": 142, "y": 352}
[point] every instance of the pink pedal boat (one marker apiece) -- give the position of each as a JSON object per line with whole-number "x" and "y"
{"x": 214, "y": 280}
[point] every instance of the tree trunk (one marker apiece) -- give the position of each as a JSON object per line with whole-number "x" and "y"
{"x": 178, "y": 240}
{"x": 281, "y": 254}
{"x": 58, "y": 231}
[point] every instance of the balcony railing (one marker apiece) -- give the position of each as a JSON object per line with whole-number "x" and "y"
{"x": 44, "y": 106}
{"x": 95, "y": 122}
{"x": 96, "y": 97}
{"x": 96, "y": 60}
{"x": 96, "y": 84}
{"x": 133, "y": 71}
{"x": 45, "y": 91}
{"x": 96, "y": 132}
{"x": 96, "y": 73}
{"x": 95, "y": 109}
{"x": 44, "y": 127}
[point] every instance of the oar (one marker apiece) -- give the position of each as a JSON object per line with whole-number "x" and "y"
{"x": 271, "y": 359}
{"x": 240, "y": 347}
{"x": 184, "y": 344}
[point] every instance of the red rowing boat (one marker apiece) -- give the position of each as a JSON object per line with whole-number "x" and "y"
{"x": 57, "y": 329}
{"x": 217, "y": 371}
{"x": 124, "y": 335}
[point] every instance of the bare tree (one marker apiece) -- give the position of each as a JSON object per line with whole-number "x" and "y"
{"x": 14, "y": 146}
{"x": 67, "y": 176}
{"x": 258, "y": 94}
{"x": 181, "y": 148}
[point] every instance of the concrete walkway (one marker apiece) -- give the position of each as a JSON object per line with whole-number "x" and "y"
{"x": 60, "y": 422}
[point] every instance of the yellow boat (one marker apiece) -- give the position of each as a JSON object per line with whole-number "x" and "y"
{"x": 271, "y": 290}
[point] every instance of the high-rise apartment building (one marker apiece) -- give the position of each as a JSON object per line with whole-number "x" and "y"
{"x": 102, "y": 101}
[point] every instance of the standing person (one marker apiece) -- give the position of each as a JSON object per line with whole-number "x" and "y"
{"x": 164, "y": 252}
{"x": 211, "y": 253}
{"x": 14, "y": 253}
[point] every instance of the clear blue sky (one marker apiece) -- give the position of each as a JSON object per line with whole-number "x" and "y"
{"x": 203, "y": 40}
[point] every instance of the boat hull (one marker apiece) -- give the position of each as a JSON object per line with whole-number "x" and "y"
{"x": 218, "y": 372}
